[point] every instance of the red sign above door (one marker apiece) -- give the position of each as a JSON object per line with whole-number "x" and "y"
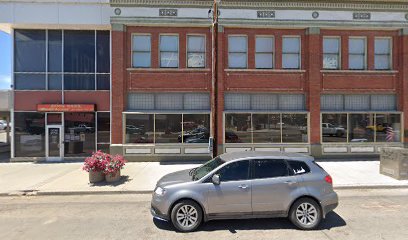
{"x": 66, "y": 107}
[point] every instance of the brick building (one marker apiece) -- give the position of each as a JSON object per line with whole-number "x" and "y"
{"x": 321, "y": 78}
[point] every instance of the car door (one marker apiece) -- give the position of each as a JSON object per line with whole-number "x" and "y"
{"x": 273, "y": 186}
{"x": 233, "y": 195}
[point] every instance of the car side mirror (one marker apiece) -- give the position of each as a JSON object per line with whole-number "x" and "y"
{"x": 216, "y": 179}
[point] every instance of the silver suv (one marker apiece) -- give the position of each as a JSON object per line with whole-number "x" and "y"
{"x": 246, "y": 185}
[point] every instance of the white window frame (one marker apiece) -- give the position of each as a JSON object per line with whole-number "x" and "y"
{"x": 273, "y": 50}
{"x": 389, "y": 55}
{"x": 299, "y": 54}
{"x": 339, "y": 56}
{"x": 365, "y": 52}
{"x": 178, "y": 49}
{"x": 142, "y": 34}
{"x": 205, "y": 49}
{"x": 247, "y": 44}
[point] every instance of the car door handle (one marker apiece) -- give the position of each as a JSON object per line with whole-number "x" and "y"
{"x": 243, "y": 186}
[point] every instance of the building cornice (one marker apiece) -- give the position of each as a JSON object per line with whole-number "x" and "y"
{"x": 299, "y": 4}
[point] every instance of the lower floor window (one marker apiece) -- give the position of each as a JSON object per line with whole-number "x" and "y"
{"x": 361, "y": 127}
{"x": 166, "y": 128}
{"x": 29, "y": 134}
{"x": 79, "y": 134}
{"x": 266, "y": 128}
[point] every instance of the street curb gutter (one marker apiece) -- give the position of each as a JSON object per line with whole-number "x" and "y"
{"x": 67, "y": 193}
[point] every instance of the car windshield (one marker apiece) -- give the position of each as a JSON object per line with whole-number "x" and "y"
{"x": 206, "y": 168}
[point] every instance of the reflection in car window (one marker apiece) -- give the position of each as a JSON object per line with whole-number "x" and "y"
{"x": 298, "y": 167}
{"x": 269, "y": 168}
{"x": 207, "y": 167}
{"x": 235, "y": 171}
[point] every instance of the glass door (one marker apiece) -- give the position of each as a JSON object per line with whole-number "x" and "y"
{"x": 54, "y": 143}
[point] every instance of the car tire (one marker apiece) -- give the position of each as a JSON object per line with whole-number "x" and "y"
{"x": 305, "y": 214}
{"x": 186, "y": 216}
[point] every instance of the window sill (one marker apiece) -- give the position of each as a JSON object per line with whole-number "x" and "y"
{"x": 169, "y": 69}
{"x": 265, "y": 70}
{"x": 360, "y": 71}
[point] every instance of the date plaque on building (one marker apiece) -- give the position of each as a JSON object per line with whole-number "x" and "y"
{"x": 66, "y": 107}
{"x": 364, "y": 16}
{"x": 168, "y": 12}
{"x": 265, "y": 14}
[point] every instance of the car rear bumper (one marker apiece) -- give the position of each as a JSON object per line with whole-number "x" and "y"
{"x": 329, "y": 203}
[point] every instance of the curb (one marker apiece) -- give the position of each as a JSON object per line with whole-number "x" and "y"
{"x": 68, "y": 193}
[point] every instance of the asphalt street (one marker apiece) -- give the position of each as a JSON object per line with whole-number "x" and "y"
{"x": 362, "y": 214}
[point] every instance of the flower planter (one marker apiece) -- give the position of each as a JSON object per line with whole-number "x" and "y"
{"x": 95, "y": 177}
{"x": 113, "y": 177}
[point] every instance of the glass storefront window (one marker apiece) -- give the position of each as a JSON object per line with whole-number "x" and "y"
{"x": 79, "y": 134}
{"x": 103, "y": 127}
{"x": 26, "y": 81}
{"x": 266, "y": 128}
{"x": 104, "y": 148}
{"x": 29, "y": 50}
{"x": 29, "y": 134}
{"x": 334, "y": 127}
{"x": 79, "y": 82}
{"x": 238, "y": 128}
{"x": 196, "y": 128}
{"x": 79, "y": 51}
{"x": 168, "y": 128}
{"x": 361, "y": 127}
{"x": 294, "y": 128}
{"x": 139, "y": 128}
{"x": 388, "y": 127}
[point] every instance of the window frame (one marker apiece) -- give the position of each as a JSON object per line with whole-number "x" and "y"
{"x": 205, "y": 49}
{"x": 339, "y": 55}
{"x": 299, "y": 53}
{"x": 365, "y": 67}
{"x": 390, "y": 55}
{"x": 178, "y": 49}
{"x": 132, "y": 52}
{"x": 246, "y": 52}
{"x": 273, "y": 53}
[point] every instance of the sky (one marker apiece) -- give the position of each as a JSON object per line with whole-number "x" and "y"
{"x": 5, "y": 60}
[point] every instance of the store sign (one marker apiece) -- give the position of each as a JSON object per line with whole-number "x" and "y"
{"x": 66, "y": 107}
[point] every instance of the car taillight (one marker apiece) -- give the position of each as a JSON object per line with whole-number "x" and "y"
{"x": 328, "y": 179}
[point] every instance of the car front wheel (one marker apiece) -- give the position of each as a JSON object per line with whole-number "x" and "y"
{"x": 186, "y": 216}
{"x": 305, "y": 214}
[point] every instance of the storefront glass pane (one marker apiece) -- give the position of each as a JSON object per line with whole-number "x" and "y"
{"x": 361, "y": 127}
{"x": 294, "y": 128}
{"x": 139, "y": 128}
{"x": 29, "y": 81}
{"x": 54, "y": 51}
{"x": 79, "y": 134}
{"x": 388, "y": 127}
{"x": 266, "y": 128}
{"x": 103, "y": 51}
{"x": 334, "y": 127}
{"x": 29, "y": 134}
{"x": 238, "y": 128}
{"x": 103, "y": 127}
{"x": 79, "y": 51}
{"x": 104, "y": 148}
{"x": 196, "y": 128}
{"x": 79, "y": 82}
{"x": 29, "y": 50}
{"x": 102, "y": 81}
{"x": 168, "y": 128}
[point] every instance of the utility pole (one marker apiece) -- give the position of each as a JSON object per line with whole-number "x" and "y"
{"x": 214, "y": 91}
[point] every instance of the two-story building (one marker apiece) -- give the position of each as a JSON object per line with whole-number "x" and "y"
{"x": 132, "y": 76}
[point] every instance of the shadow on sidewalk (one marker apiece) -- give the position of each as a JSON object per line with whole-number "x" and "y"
{"x": 332, "y": 220}
{"x": 123, "y": 180}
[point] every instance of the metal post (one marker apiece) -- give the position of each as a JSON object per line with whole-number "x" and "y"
{"x": 213, "y": 125}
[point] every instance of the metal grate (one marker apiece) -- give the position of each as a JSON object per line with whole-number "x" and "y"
{"x": 196, "y": 101}
{"x": 168, "y": 101}
{"x": 357, "y": 102}
{"x": 237, "y": 101}
{"x": 264, "y": 102}
{"x": 383, "y": 102}
{"x": 141, "y": 101}
{"x": 242, "y": 101}
{"x": 332, "y": 102}
{"x": 292, "y": 102}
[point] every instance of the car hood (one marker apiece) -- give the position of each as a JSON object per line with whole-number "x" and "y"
{"x": 174, "y": 178}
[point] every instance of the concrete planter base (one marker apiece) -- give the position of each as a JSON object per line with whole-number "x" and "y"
{"x": 394, "y": 163}
{"x": 114, "y": 177}
{"x": 95, "y": 177}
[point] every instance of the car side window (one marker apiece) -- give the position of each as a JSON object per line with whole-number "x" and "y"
{"x": 269, "y": 168}
{"x": 235, "y": 171}
{"x": 298, "y": 167}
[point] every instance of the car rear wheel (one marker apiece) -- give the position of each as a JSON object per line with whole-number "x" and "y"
{"x": 305, "y": 214}
{"x": 186, "y": 216}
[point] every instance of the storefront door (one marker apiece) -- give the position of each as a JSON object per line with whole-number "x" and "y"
{"x": 54, "y": 143}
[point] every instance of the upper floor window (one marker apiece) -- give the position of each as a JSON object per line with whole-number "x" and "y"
{"x": 237, "y": 51}
{"x": 291, "y": 52}
{"x": 357, "y": 53}
{"x": 331, "y": 53}
{"x": 264, "y": 47}
{"x": 169, "y": 51}
{"x": 195, "y": 51}
{"x": 382, "y": 51}
{"x": 141, "y": 51}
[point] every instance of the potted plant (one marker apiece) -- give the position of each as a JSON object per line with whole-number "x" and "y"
{"x": 112, "y": 168}
{"x": 95, "y": 166}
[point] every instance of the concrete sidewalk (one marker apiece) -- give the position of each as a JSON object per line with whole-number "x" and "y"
{"x": 69, "y": 178}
